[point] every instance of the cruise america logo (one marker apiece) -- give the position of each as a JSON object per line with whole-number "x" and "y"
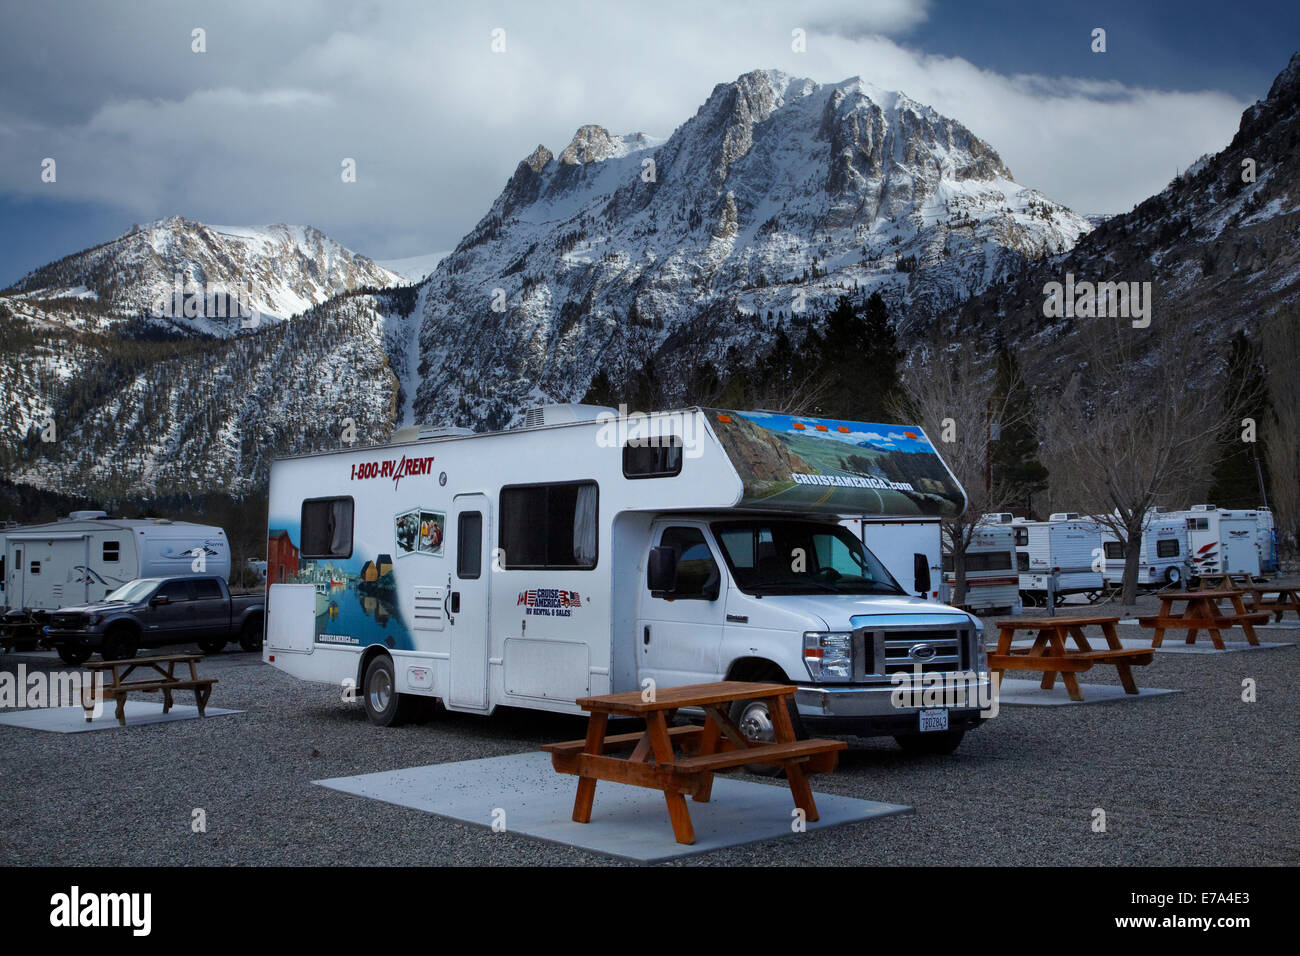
{"x": 395, "y": 468}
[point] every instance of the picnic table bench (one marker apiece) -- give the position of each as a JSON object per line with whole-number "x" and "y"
{"x": 1050, "y": 654}
{"x": 1203, "y": 613}
{"x": 1225, "y": 580}
{"x": 163, "y": 679}
{"x": 681, "y": 761}
{"x": 1288, "y": 599}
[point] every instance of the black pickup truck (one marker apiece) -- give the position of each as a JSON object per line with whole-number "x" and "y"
{"x": 151, "y": 612}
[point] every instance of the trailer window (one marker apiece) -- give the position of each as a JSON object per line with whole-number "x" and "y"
{"x": 1167, "y": 548}
{"x": 988, "y": 561}
{"x": 112, "y": 550}
{"x": 549, "y": 526}
{"x": 1022, "y": 537}
{"x": 469, "y": 545}
{"x": 1022, "y": 561}
{"x": 660, "y": 459}
{"x": 1114, "y": 550}
{"x": 36, "y": 567}
{"x": 327, "y": 528}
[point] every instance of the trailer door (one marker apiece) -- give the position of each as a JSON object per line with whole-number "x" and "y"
{"x": 467, "y": 604}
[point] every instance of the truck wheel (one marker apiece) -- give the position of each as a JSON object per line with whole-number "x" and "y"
{"x": 120, "y": 643}
{"x": 74, "y": 652}
{"x": 942, "y": 743}
{"x": 212, "y": 647}
{"x": 755, "y": 722}
{"x": 250, "y": 636}
{"x": 385, "y": 707}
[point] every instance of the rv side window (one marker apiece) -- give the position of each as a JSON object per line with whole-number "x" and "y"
{"x": 112, "y": 550}
{"x": 1199, "y": 524}
{"x": 663, "y": 459}
{"x": 988, "y": 561}
{"x": 327, "y": 528}
{"x": 36, "y": 567}
{"x": 1114, "y": 550}
{"x": 1022, "y": 561}
{"x": 469, "y": 545}
{"x": 947, "y": 562}
{"x": 1022, "y": 537}
{"x": 1168, "y": 548}
{"x": 549, "y": 526}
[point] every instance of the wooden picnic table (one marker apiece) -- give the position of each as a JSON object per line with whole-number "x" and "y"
{"x": 1225, "y": 581}
{"x": 1050, "y": 654}
{"x": 682, "y": 760}
{"x": 1288, "y": 599}
{"x": 162, "y": 680}
{"x": 1203, "y": 613}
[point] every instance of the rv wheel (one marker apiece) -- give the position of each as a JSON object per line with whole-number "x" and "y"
{"x": 755, "y": 722}
{"x": 120, "y": 643}
{"x": 74, "y": 652}
{"x": 384, "y": 706}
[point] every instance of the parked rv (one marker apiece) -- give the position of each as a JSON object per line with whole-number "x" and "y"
{"x": 992, "y": 582}
{"x": 154, "y": 612}
{"x": 1221, "y": 541}
{"x": 1057, "y": 557}
{"x": 1267, "y": 541}
{"x": 910, "y": 550}
{"x": 589, "y": 553}
{"x": 1163, "y": 559}
{"x": 87, "y": 555}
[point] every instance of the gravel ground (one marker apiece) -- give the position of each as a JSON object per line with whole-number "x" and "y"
{"x": 1184, "y": 779}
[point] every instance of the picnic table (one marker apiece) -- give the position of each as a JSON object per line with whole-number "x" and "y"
{"x": 685, "y": 758}
{"x": 1050, "y": 654}
{"x": 1203, "y": 613}
{"x": 162, "y": 679}
{"x": 1288, "y": 599}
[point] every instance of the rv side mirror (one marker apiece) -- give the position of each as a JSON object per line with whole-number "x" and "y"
{"x": 920, "y": 574}
{"x": 158, "y": 600}
{"x": 661, "y": 574}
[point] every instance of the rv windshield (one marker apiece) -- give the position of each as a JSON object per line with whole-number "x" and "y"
{"x": 132, "y": 591}
{"x": 800, "y": 557}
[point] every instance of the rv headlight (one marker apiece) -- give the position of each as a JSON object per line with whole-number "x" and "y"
{"x": 828, "y": 655}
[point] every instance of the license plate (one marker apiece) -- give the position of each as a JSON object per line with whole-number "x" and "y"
{"x": 933, "y": 720}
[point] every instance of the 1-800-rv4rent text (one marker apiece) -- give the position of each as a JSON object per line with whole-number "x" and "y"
{"x": 589, "y": 553}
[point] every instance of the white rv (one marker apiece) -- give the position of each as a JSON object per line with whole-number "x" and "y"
{"x": 590, "y": 552}
{"x": 1059, "y": 556}
{"x": 1222, "y": 541}
{"x": 1267, "y": 540}
{"x": 83, "y": 557}
{"x": 1163, "y": 560}
{"x": 911, "y": 550}
{"x": 992, "y": 581}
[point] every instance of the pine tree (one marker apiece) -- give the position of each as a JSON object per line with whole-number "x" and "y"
{"x": 1015, "y": 453}
{"x": 1235, "y": 480}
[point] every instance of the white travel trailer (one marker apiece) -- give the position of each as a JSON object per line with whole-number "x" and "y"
{"x": 905, "y": 547}
{"x": 1058, "y": 556}
{"x": 87, "y": 555}
{"x": 590, "y": 552}
{"x": 1163, "y": 560}
{"x": 992, "y": 581}
{"x": 1267, "y": 540}
{"x": 1222, "y": 541}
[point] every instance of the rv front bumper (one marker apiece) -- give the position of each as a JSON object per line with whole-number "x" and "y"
{"x": 871, "y": 711}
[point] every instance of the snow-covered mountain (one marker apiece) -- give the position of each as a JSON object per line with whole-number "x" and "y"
{"x": 775, "y": 197}
{"x": 194, "y": 277}
{"x": 414, "y": 269}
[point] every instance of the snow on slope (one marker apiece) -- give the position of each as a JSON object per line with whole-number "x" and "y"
{"x": 414, "y": 268}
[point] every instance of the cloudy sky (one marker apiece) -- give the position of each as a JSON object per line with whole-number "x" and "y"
{"x": 254, "y": 129}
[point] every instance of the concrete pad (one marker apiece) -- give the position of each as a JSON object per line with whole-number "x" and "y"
{"x": 627, "y": 822}
{"x": 1029, "y": 693}
{"x": 72, "y": 720}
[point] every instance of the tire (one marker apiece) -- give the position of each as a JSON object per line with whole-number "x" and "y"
{"x": 1173, "y": 575}
{"x": 940, "y": 743}
{"x": 384, "y": 706}
{"x": 74, "y": 652}
{"x": 755, "y": 722}
{"x": 120, "y": 643}
{"x": 250, "y": 635}
{"x": 215, "y": 646}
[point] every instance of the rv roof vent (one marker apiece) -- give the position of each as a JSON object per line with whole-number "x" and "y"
{"x": 1203, "y": 508}
{"x": 998, "y": 517}
{"x": 564, "y": 414}
{"x": 423, "y": 432}
{"x": 1064, "y": 516}
{"x": 86, "y": 515}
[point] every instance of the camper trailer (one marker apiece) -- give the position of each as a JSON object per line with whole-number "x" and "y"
{"x": 85, "y": 556}
{"x": 992, "y": 581}
{"x": 591, "y": 552}
{"x": 1163, "y": 560}
{"x": 904, "y": 547}
{"x": 1057, "y": 557}
{"x": 1267, "y": 541}
{"x": 1222, "y": 541}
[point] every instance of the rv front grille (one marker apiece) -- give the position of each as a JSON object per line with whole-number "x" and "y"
{"x": 935, "y": 651}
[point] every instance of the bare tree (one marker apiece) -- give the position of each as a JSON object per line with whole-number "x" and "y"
{"x": 1131, "y": 428}
{"x": 1281, "y": 340}
{"x": 952, "y": 393}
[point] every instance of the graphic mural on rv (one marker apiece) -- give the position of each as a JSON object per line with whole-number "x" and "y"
{"x": 356, "y": 596}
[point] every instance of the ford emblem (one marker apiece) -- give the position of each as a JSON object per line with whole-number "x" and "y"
{"x": 921, "y": 652}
